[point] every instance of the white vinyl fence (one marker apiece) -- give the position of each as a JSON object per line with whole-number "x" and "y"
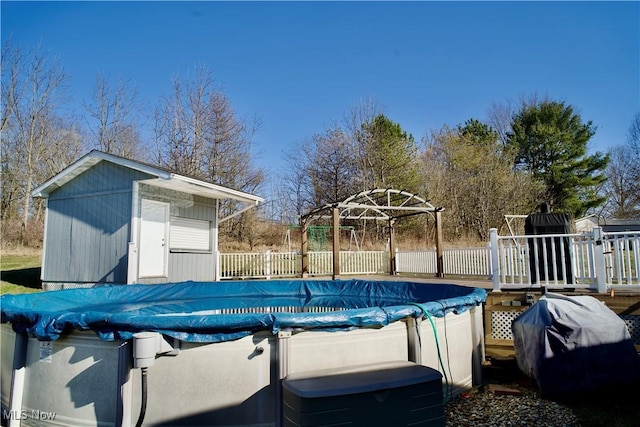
{"x": 259, "y": 265}
{"x": 351, "y": 262}
{"x": 457, "y": 262}
{"x": 289, "y": 264}
{"x": 418, "y": 262}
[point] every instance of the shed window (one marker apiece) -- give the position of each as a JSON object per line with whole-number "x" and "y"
{"x": 189, "y": 234}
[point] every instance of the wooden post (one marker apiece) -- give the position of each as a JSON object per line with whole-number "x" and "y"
{"x": 336, "y": 243}
{"x": 439, "y": 248}
{"x": 304, "y": 246}
{"x": 392, "y": 247}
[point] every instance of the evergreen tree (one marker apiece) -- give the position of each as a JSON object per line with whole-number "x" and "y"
{"x": 391, "y": 156}
{"x": 551, "y": 143}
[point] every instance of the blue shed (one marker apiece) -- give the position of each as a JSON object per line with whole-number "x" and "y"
{"x": 114, "y": 220}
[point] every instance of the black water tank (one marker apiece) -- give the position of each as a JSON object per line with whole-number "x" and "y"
{"x": 549, "y": 223}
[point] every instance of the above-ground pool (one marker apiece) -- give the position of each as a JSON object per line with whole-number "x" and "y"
{"x": 223, "y": 347}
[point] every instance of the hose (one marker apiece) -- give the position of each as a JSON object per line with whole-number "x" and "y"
{"x": 435, "y": 334}
{"x": 143, "y": 404}
{"x": 444, "y": 370}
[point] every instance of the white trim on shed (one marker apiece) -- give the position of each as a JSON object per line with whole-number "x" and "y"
{"x": 163, "y": 179}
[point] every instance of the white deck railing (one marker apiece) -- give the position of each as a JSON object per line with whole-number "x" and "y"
{"x": 597, "y": 260}
{"x": 562, "y": 261}
{"x": 622, "y": 259}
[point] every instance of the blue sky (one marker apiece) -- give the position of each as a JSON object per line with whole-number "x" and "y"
{"x": 300, "y": 66}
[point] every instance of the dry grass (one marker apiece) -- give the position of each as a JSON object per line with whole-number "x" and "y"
{"x": 15, "y": 250}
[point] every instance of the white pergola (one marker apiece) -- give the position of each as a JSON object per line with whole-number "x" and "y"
{"x": 378, "y": 204}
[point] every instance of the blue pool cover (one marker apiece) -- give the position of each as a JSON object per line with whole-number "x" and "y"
{"x": 222, "y": 311}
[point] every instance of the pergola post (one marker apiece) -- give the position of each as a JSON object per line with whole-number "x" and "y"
{"x": 305, "y": 247}
{"x": 335, "y": 213}
{"x": 439, "y": 246}
{"x": 392, "y": 247}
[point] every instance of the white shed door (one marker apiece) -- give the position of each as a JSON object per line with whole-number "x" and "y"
{"x": 154, "y": 223}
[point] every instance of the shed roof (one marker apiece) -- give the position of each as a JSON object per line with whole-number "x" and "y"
{"x": 163, "y": 178}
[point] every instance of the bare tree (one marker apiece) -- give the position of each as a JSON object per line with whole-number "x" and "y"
{"x": 296, "y": 190}
{"x": 11, "y": 82}
{"x": 334, "y": 163}
{"x": 114, "y": 112}
{"x": 199, "y": 134}
{"x": 364, "y": 150}
{"x": 633, "y": 142}
{"x": 68, "y": 142}
{"x": 500, "y": 116}
{"x": 622, "y": 188}
{"x": 354, "y": 121}
{"x": 33, "y": 88}
{"x": 330, "y": 167}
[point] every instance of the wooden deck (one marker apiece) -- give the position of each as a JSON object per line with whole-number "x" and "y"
{"x": 503, "y": 307}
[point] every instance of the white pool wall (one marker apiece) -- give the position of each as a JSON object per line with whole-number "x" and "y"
{"x": 229, "y": 383}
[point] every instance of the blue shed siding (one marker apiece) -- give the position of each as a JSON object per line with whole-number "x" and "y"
{"x": 88, "y": 226}
{"x": 193, "y": 266}
{"x": 104, "y": 177}
{"x": 185, "y": 265}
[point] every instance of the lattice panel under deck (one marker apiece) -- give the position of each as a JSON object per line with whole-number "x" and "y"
{"x": 501, "y": 324}
{"x": 633, "y": 325}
